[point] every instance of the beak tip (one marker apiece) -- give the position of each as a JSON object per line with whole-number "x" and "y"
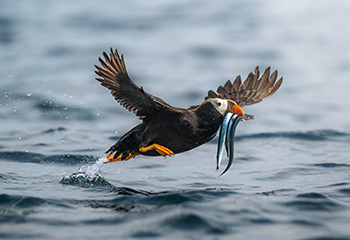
{"x": 238, "y": 110}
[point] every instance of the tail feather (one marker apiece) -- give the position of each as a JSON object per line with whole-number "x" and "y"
{"x": 127, "y": 145}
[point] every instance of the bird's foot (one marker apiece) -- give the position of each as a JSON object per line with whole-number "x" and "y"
{"x": 160, "y": 149}
{"x": 110, "y": 157}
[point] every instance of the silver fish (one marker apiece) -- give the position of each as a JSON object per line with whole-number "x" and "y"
{"x": 222, "y": 138}
{"x": 230, "y": 127}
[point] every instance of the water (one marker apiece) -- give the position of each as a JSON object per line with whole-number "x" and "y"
{"x": 290, "y": 178}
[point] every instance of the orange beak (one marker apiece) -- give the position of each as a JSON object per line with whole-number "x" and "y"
{"x": 234, "y": 108}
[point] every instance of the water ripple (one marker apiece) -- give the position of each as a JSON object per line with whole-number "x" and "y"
{"x": 313, "y": 202}
{"x": 316, "y": 135}
{"x": 29, "y": 157}
{"x": 57, "y": 111}
{"x": 331, "y": 165}
{"x": 191, "y": 222}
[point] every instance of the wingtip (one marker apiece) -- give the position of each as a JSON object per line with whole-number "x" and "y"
{"x": 115, "y": 53}
{"x": 275, "y": 72}
{"x": 257, "y": 71}
{"x": 105, "y": 55}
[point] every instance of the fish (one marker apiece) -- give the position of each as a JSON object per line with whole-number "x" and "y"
{"x": 226, "y": 139}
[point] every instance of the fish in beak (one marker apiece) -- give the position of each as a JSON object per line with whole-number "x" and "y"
{"x": 233, "y": 116}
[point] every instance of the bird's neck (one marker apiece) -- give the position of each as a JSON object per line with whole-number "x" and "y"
{"x": 208, "y": 113}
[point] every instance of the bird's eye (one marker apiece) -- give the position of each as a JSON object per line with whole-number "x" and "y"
{"x": 218, "y": 104}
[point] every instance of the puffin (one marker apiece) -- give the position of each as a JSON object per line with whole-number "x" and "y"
{"x": 166, "y": 130}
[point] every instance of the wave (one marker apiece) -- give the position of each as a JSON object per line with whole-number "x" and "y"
{"x": 24, "y": 156}
{"x": 125, "y": 199}
{"x": 57, "y": 111}
{"x": 70, "y": 159}
{"x": 46, "y": 107}
{"x": 314, "y": 135}
{"x": 98, "y": 181}
{"x": 13, "y": 208}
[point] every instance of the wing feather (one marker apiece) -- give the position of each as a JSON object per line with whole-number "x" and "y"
{"x": 113, "y": 75}
{"x": 212, "y": 94}
{"x": 228, "y": 86}
{"x": 252, "y": 90}
{"x": 236, "y": 84}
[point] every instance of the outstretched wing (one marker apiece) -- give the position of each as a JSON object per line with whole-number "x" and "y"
{"x": 115, "y": 77}
{"x": 253, "y": 89}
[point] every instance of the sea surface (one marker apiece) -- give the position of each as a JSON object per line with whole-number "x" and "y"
{"x": 291, "y": 174}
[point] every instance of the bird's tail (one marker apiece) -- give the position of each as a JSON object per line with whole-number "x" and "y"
{"x": 126, "y": 147}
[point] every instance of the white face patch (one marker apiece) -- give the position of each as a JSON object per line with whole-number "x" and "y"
{"x": 219, "y": 104}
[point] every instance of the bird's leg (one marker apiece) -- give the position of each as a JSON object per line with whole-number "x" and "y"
{"x": 110, "y": 157}
{"x": 160, "y": 149}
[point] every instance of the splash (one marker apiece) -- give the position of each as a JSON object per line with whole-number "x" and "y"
{"x": 88, "y": 175}
{"x": 92, "y": 170}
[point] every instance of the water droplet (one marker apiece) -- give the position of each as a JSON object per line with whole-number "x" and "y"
{"x": 29, "y": 94}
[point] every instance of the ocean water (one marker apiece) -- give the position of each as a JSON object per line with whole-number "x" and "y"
{"x": 291, "y": 175}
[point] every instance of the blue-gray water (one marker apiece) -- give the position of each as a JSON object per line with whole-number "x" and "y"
{"x": 291, "y": 175}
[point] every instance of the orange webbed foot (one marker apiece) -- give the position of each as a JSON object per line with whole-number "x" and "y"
{"x": 159, "y": 148}
{"x": 110, "y": 157}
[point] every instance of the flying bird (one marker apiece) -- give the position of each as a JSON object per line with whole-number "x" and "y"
{"x": 166, "y": 130}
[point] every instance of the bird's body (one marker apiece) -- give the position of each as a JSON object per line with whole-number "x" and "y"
{"x": 167, "y": 130}
{"x": 179, "y": 131}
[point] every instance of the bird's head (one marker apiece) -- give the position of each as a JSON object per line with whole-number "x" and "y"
{"x": 225, "y": 105}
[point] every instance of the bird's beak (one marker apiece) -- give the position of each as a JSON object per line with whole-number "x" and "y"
{"x": 234, "y": 108}
{"x": 226, "y": 138}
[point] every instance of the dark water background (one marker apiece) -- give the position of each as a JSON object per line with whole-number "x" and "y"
{"x": 290, "y": 179}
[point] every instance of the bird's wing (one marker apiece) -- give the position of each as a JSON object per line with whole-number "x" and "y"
{"x": 251, "y": 91}
{"x": 113, "y": 75}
